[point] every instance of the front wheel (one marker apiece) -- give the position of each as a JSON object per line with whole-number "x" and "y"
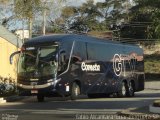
{"x": 75, "y": 91}
{"x": 40, "y": 98}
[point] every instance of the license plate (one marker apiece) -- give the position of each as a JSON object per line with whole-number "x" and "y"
{"x": 34, "y": 91}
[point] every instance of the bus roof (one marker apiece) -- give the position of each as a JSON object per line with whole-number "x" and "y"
{"x": 66, "y": 37}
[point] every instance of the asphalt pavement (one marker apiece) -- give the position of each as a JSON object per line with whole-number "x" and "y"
{"x": 84, "y": 108}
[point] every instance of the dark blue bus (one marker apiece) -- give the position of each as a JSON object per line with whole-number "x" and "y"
{"x": 70, "y": 65}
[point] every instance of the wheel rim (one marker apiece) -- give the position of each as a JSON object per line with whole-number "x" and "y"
{"x": 77, "y": 90}
{"x": 131, "y": 88}
{"x": 123, "y": 90}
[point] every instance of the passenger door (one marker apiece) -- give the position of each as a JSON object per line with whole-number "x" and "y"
{"x": 79, "y": 55}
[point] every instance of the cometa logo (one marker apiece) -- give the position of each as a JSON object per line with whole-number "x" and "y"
{"x": 90, "y": 67}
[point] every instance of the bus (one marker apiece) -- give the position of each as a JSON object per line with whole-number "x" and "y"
{"x": 71, "y": 65}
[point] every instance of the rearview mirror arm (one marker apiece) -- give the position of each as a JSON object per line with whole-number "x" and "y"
{"x": 11, "y": 56}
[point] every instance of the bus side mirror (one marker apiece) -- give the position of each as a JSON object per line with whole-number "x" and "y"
{"x": 12, "y": 55}
{"x": 56, "y": 57}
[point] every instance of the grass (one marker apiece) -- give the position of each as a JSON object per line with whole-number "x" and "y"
{"x": 152, "y": 66}
{"x": 152, "y": 63}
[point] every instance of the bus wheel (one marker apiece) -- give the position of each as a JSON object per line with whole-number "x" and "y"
{"x": 40, "y": 98}
{"x": 130, "y": 90}
{"x": 75, "y": 91}
{"x": 123, "y": 90}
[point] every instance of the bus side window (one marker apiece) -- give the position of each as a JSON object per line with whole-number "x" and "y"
{"x": 79, "y": 52}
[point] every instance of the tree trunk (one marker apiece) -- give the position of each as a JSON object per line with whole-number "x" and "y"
{"x": 44, "y": 22}
{"x": 30, "y": 27}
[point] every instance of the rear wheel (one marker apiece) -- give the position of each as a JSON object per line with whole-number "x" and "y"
{"x": 123, "y": 90}
{"x": 130, "y": 90}
{"x": 75, "y": 91}
{"x": 40, "y": 98}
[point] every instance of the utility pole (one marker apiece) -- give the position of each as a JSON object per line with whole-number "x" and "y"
{"x": 30, "y": 27}
{"x": 44, "y": 21}
{"x": 44, "y": 18}
{"x": 23, "y": 30}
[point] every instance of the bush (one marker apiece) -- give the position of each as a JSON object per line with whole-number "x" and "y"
{"x": 152, "y": 65}
{"x": 7, "y": 86}
{"x": 156, "y": 103}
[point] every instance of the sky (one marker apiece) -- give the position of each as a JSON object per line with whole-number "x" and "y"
{"x": 79, "y": 2}
{"x": 95, "y": 0}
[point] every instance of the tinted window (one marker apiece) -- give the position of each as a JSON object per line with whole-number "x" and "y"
{"x": 97, "y": 51}
{"x": 80, "y": 50}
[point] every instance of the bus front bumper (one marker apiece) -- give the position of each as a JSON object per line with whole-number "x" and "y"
{"x": 50, "y": 89}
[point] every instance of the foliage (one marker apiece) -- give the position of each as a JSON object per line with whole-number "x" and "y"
{"x": 97, "y": 17}
{"x": 137, "y": 20}
{"x": 152, "y": 63}
{"x": 7, "y": 87}
{"x": 26, "y": 8}
{"x": 5, "y": 12}
{"x": 144, "y": 21}
{"x": 4, "y": 1}
{"x": 156, "y": 103}
{"x": 82, "y": 18}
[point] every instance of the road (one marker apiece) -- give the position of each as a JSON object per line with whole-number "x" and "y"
{"x": 83, "y": 108}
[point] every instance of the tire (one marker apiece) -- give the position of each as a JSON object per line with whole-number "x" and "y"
{"x": 75, "y": 91}
{"x": 123, "y": 90}
{"x": 130, "y": 90}
{"x": 40, "y": 98}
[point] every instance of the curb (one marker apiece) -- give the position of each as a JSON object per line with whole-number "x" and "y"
{"x": 154, "y": 109}
{"x": 2, "y": 100}
{"x": 152, "y": 85}
{"x": 139, "y": 116}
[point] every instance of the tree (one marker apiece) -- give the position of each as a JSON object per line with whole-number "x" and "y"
{"x": 4, "y": 1}
{"x": 83, "y": 17}
{"x": 5, "y": 15}
{"x": 68, "y": 11}
{"x": 50, "y": 8}
{"x": 144, "y": 22}
{"x": 26, "y": 9}
{"x": 153, "y": 9}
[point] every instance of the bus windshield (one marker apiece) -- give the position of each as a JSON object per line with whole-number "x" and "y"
{"x": 37, "y": 62}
